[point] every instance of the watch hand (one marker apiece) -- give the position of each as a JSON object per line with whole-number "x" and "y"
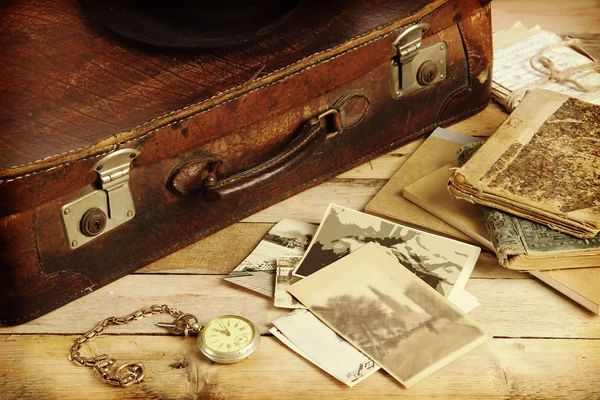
{"x": 225, "y": 330}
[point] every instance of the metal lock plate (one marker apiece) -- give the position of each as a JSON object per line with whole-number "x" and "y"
{"x": 100, "y": 211}
{"x": 416, "y": 67}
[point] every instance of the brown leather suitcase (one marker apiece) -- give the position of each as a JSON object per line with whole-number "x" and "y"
{"x": 113, "y": 155}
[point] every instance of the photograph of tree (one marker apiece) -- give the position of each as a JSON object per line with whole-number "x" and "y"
{"x": 389, "y": 314}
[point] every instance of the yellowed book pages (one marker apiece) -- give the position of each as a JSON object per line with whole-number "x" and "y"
{"x": 541, "y": 165}
{"x": 580, "y": 284}
{"x": 430, "y": 193}
{"x": 439, "y": 149}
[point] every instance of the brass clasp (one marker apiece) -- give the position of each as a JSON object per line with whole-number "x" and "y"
{"x": 185, "y": 323}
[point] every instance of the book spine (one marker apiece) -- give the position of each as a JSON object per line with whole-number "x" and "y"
{"x": 504, "y": 235}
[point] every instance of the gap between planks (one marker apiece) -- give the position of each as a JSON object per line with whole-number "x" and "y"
{"x": 221, "y": 252}
{"x": 528, "y": 368}
{"x": 509, "y": 307}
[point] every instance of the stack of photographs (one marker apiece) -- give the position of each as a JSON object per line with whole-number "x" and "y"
{"x": 305, "y": 334}
{"x": 389, "y": 314}
{"x": 349, "y": 329}
{"x": 442, "y": 263}
{"x": 257, "y": 272}
{"x": 283, "y": 279}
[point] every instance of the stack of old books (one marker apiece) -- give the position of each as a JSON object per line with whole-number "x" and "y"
{"x": 530, "y": 193}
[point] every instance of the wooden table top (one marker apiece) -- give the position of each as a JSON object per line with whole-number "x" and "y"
{"x": 544, "y": 345}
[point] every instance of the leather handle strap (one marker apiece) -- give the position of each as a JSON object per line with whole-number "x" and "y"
{"x": 312, "y": 135}
{"x": 202, "y": 175}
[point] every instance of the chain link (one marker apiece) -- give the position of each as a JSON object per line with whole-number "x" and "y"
{"x": 132, "y": 372}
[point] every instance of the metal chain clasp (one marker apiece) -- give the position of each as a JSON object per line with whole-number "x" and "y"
{"x": 185, "y": 323}
{"x": 133, "y": 372}
{"x": 126, "y": 375}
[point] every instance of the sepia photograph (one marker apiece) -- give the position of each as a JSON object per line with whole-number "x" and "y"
{"x": 283, "y": 279}
{"x": 442, "y": 263}
{"x": 389, "y": 314}
{"x": 305, "y": 334}
{"x": 257, "y": 272}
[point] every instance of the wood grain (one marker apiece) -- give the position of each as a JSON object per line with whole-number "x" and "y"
{"x": 558, "y": 16}
{"x": 225, "y": 250}
{"x": 501, "y": 368}
{"x": 509, "y": 307}
{"x": 217, "y": 254}
{"x": 545, "y": 347}
{"x": 310, "y": 205}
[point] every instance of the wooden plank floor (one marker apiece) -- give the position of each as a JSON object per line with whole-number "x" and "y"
{"x": 544, "y": 345}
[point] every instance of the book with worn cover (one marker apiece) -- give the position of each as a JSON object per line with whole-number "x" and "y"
{"x": 514, "y": 251}
{"x": 438, "y": 149}
{"x": 541, "y": 248}
{"x": 522, "y": 244}
{"x": 519, "y": 244}
{"x": 542, "y": 164}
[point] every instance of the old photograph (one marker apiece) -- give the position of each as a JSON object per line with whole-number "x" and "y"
{"x": 443, "y": 263}
{"x": 257, "y": 271}
{"x": 304, "y": 333}
{"x": 389, "y": 314}
{"x": 283, "y": 279}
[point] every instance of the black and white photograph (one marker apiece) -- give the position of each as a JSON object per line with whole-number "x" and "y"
{"x": 257, "y": 272}
{"x": 283, "y": 279}
{"x": 443, "y": 263}
{"x": 304, "y": 333}
{"x": 389, "y": 314}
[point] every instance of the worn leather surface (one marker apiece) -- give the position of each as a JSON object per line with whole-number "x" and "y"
{"x": 190, "y": 178}
{"x": 38, "y": 270}
{"x": 69, "y": 84}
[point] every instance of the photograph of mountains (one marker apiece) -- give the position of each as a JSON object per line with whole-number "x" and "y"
{"x": 436, "y": 260}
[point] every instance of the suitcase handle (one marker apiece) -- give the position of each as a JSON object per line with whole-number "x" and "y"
{"x": 200, "y": 175}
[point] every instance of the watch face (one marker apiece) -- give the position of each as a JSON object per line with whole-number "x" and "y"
{"x": 228, "y": 334}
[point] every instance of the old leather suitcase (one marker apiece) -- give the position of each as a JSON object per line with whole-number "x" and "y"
{"x": 113, "y": 154}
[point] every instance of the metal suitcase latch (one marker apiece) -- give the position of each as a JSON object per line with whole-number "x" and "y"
{"x": 104, "y": 209}
{"x": 416, "y": 67}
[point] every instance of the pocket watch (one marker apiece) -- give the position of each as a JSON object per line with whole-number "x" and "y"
{"x": 226, "y": 340}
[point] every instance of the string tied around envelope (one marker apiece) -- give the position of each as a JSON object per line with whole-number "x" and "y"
{"x": 546, "y": 66}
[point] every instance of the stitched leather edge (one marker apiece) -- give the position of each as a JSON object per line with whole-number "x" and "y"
{"x": 111, "y": 148}
{"x": 191, "y": 239}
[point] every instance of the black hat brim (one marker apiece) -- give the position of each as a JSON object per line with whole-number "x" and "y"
{"x": 189, "y": 26}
